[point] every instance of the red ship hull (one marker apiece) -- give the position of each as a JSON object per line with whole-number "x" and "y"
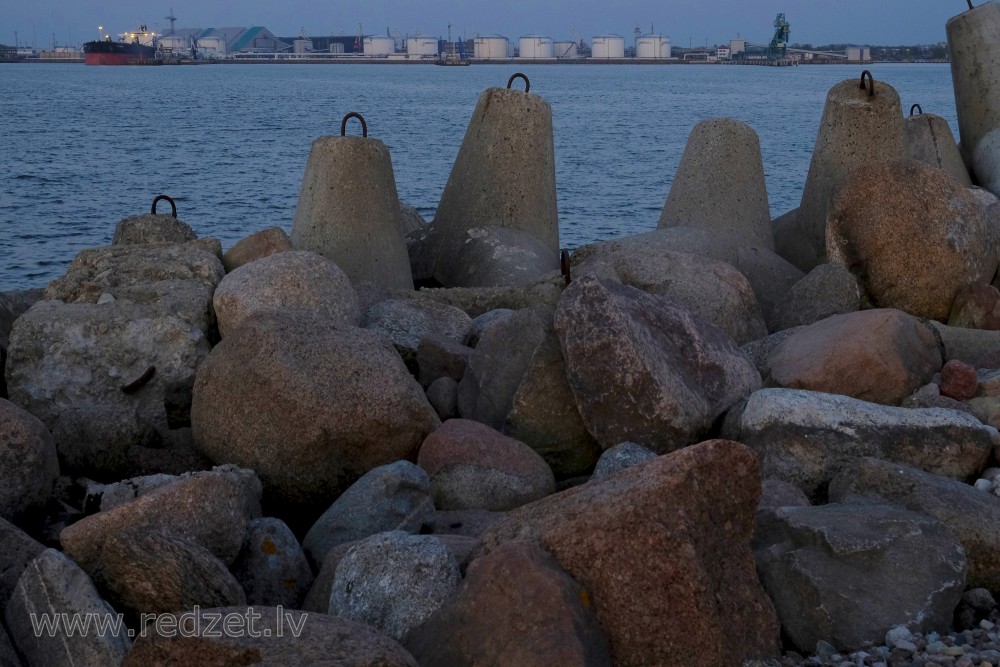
{"x": 108, "y": 58}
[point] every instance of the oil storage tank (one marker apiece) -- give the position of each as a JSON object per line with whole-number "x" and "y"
{"x": 606, "y": 47}
{"x": 421, "y": 47}
{"x": 535, "y": 47}
{"x": 652, "y": 47}
{"x": 491, "y": 47}
{"x": 379, "y": 46}
{"x": 565, "y": 50}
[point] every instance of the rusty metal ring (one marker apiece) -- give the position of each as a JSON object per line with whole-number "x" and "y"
{"x": 871, "y": 79}
{"x": 971, "y": 6}
{"x": 918, "y": 109}
{"x": 518, "y": 75}
{"x": 159, "y": 198}
{"x": 353, "y": 114}
{"x": 138, "y": 383}
{"x": 564, "y": 266}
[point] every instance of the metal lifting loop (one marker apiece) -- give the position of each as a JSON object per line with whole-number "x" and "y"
{"x": 564, "y": 266}
{"x": 159, "y": 198}
{"x": 971, "y": 6}
{"x": 917, "y": 108}
{"x": 871, "y": 80}
{"x": 353, "y": 114}
{"x": 518, "y": 75}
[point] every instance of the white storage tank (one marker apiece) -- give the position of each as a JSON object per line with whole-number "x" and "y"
{"x": 535, "y": 47}
{"x": 565, "y": 50}
{"x": 418, "y": 47}
{"x": 607, "y": 46}
{"x": 379, "y": 46}
{"x": 491, "y": 47}
{"x": 212, "y": 46}
{"x": 302, "y": 46}
{"x": 652, "y": 47}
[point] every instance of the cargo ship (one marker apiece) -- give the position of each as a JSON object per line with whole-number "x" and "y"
{"x": 132, "y": 48}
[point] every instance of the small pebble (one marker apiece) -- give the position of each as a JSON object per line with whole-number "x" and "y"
{"x": 896, "y": 634}
{"x": 986, "y": 625}
{"x": 984, "y": 485}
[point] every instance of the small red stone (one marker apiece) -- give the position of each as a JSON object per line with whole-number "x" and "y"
{"x": 959, "y": 380}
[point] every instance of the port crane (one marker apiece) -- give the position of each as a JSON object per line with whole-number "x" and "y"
{"x": 779, "y": 43}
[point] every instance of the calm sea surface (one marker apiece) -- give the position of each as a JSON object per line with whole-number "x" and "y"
{"x": 83, "y": 147}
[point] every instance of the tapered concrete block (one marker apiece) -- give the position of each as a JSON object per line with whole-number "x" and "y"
{"x": 349, "y": 211}
{"x": 504, "y": 176}
{"x": 974, "y": 47}
{"x": 929, "y": 140}
{"x": 719, "y": 185}
{"x": 857, "y": 128}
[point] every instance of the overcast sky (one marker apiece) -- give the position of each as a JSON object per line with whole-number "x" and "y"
{"x": 697, "y": 21}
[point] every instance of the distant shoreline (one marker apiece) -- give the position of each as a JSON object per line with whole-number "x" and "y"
{"x": 507, "y": 61}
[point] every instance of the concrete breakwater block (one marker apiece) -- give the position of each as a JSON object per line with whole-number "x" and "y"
{"x": 504, "y": 176}
{"x": 862, "y": 122}
{"x": 349, "y": 211}
{"x": 974, "y": 47}
{"x": 719, "y": 184}
{"x": 929, "y": 140}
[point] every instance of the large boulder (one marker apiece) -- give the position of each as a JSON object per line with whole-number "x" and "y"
{"x": 152, "y": 228}
{"x": 297, "y": 280}
{"x": 846, "y": 574}
{"x": 265, "y": 635}
{"x": 256, "y": 246}
{"x": 881, "y": 356}
{"x": 310, "y": 405}
{"x": 391, "y": 497}
{"x": 806, "y": 437}
{"x": 707, "y": 287}
{"x": 494, "y": 257}
{"x": 769, "y": 275}
{"x": 19, "y": 549}
{"x": 394, "y": 581}
{"x": 272, "y": 567}
{"x": 405, "y": 322}
{"x": 515, "y": 382}
{"x": 472, "y": 466}
{"x": 629, "y": 364}
{"x": 973, "y": 516}
{"x": 209, "y": 508}
{"x": 829, "y": 289}
{"x": 891, "y": 217}
{"x": 53, "y": 587}
{"x": 28, "y": 462}
{"x": 516, "y": 607}
{"x": 663, "y": 548}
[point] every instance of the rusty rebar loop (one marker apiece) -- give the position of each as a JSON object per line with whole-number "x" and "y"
{"x": 519, "y": 75}
{"x": 917, "y": 108}
{"x": 564, "y": 266}
{"x": 871, "y": 80}
{"x": 159, "y": 198}
{"x": 971, "y": 6}
{"x": 353, "y": 114}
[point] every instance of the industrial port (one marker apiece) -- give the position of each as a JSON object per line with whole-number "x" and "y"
{"x": 257, "y": 44}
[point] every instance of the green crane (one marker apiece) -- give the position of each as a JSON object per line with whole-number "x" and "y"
{"x": 779, "y": 43}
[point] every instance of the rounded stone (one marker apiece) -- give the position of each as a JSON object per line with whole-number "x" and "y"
{"x": 621, "y": 456}
{"x": 959, "y": 380}
{"x": 28, "y": 462}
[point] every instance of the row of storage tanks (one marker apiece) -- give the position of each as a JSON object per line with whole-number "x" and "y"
{"x": 531, "y": 47}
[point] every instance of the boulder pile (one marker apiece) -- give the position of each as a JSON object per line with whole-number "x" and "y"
{"x": 720, "y": 442}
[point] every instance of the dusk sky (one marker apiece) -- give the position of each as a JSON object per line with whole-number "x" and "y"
{"x": 717, "y": 21}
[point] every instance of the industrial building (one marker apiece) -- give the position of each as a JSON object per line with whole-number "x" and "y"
{"x": 222, "y": 42}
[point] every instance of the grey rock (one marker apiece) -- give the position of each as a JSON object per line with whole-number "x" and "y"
{"x": 103, "y": 497}
{"x": 256, "y": 246}
{"x": 542, "y": 293}
{"x": 495, "y": 257}
{"x": 8, "y": 656}
{"x": 410, "y": 219}
{"x": 394, "y": 581}
{"x": 979, "y": 599}
{"x": 151, "y": 228}
{"x": 391, "y": 497}
{"x": 621, "y": 456}
{"x": 760, "y": 350}
{"x": 271, "y": 566}
{"x": 775, "y": 493}
{"x": 847, "y": 574}
{"x": 405, "y": 322}
{"x": 19, "y": 549}
{"x": 296, "y": 280}
{"x": 929, "y": 396}
{"x": 829, "y": 289}
{"x": 442, "y": 394}
{"x": 973, "y": 516}
{"x": 53, "y": 584}
{"x": 974, "y": 346}
{"x": 897, "y": 634}
{"x": 28, "y": 463}
{"x": 806, "y": 438}
{"x": 439, "y": 356}
{"x": 629, "y": 366}
{"x": 483, "y": 322}
{"x": 471, "y": 523}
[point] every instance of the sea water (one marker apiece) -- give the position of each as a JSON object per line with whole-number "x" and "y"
{"x": 83, "y": 147}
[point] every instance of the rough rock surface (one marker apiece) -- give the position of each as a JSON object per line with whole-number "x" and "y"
{"x": 494, "y": 257}
{"x": 442, "y": 394}
{"x": 629, "y": 364}
{"x": 256, "y": 246}
{"x": 959, "y": 380}
{"x": 806, "y": 438}
{"x": 649, "y": 542}
{"x": 309, "y": 406}
{"x": 621, "y": 456}
{"x": 776, "y": 493}
{"x": 977, "y": 306}
{"x": 19, "y": 549}
{"x": 209, "y": 508}
{"x": 28, "y": 463}
{"x": 516, "y": 607}
{"x": 391, "y": 497}
{"x": 890, "y": 217}
{"x": 829, "y": 289}
{"x": 151, "y": 228}
{"x": 881, "y": 356}
{"x": 439, "y": 356}
{"x": 406, "y": 321}
{"x": 271, "y": 566}
{"x": 472, "y": 466}
{"x": 846, "y": 574}
{"x": 296, "y": 280}
{"x": 53, "y": 584}
{"x": 974, "y": 516}
{"x": 394, "y": 581}
{"x": 974, "y": 346}
{"x": 280, "y": 637}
